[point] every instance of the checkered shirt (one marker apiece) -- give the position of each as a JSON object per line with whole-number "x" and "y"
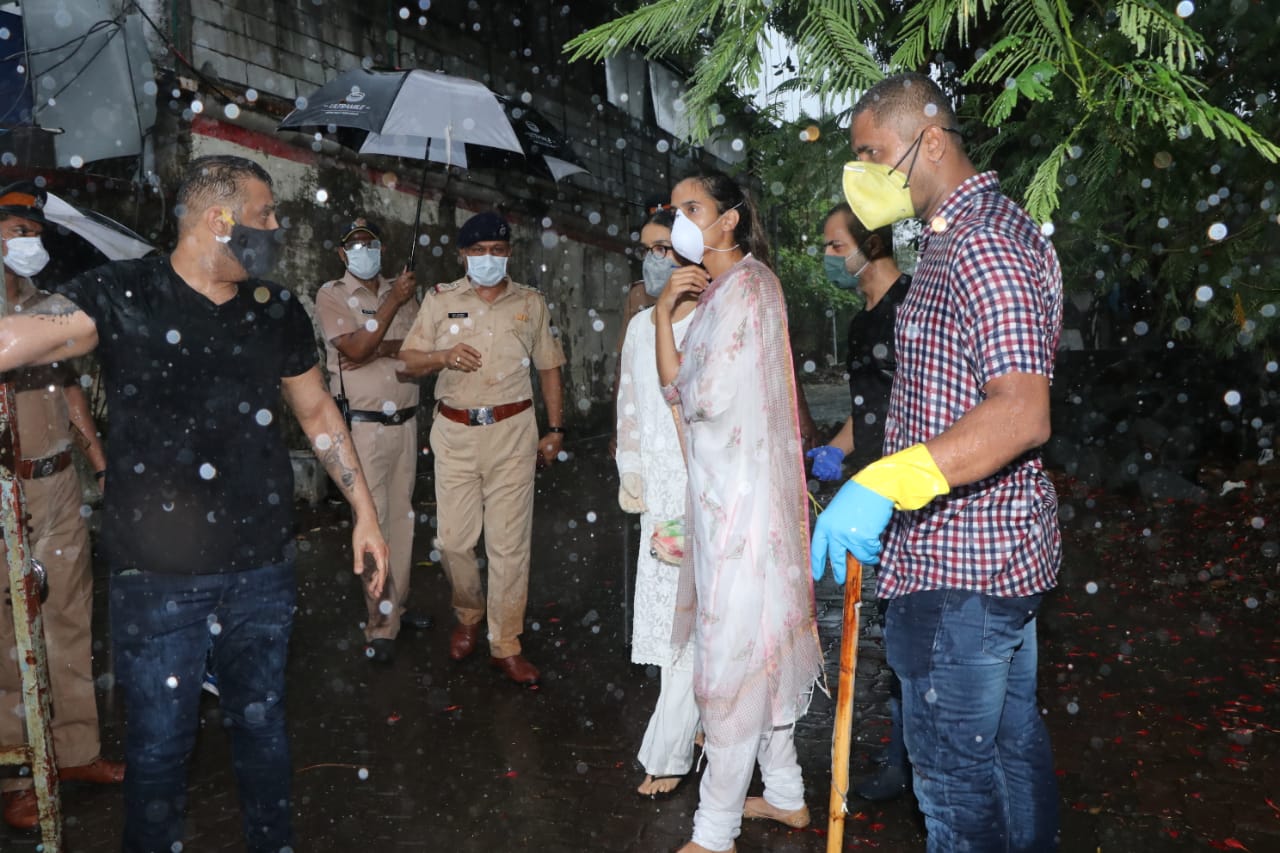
{"x": 986, "y": 301}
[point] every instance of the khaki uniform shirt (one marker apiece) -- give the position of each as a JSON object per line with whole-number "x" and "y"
{"x": 44, "y": 422}
{"x": 345, "y": 306}
{"x": 511, "y": 335}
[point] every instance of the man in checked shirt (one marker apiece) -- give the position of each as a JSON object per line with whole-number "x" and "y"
{"x": 972, "y": 538}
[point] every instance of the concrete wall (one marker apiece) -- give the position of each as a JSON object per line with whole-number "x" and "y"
{"x": 571, "y": 239}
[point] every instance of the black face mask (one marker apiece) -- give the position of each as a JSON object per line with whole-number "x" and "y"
{"x": 256, "y": 249}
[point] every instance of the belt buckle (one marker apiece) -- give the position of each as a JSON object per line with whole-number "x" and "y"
{"x": 482, "y": 416}
{"x": 44, "y": 467}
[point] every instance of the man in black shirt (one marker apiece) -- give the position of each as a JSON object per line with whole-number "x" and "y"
{"x": 197, "y": 353}
{"x": 857, "y": 257}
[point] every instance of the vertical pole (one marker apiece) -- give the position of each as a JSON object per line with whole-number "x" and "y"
{"x": 28, "y": 630}
{"x": 842, "y": 736}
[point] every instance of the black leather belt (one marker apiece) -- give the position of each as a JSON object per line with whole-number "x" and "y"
{"x": 393, "y": 419}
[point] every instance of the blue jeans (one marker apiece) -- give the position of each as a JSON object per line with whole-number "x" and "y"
{"x": 983, "y": 766}
{"x": 163, "y": 630}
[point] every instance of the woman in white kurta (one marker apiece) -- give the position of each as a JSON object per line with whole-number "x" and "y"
{"x": 746, "y": 594}
{"x": 651, "y": 472}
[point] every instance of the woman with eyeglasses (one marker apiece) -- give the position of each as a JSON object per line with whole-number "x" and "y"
{"x": 746, "y": 595}
{"x": 651, "y": 472}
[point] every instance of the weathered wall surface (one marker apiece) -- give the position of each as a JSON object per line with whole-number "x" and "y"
{"x": 571, "y": 238}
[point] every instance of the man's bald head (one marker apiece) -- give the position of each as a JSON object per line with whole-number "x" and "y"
{"x": 907, "y": 103}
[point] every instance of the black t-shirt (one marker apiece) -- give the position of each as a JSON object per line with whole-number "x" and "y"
{"x": 198, "y": 476}
{"x": 872, "y": 362}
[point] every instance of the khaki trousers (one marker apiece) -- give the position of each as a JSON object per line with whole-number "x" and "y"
{"x": 59, "y": 540}
{"x": 389, "y": 458}
{"x": 484, "y": 480}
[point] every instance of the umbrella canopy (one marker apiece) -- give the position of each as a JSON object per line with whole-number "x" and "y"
{"x": 544, "y": 150}
{"x": 414, "y": 113}
{"x": 113, "y": 240}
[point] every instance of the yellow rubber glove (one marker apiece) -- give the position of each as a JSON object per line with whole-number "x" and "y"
{"x": 910, "y": 478}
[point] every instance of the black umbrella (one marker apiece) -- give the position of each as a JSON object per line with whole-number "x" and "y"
{"x": 545, "y": 151}
{"x": 414, "y": 113}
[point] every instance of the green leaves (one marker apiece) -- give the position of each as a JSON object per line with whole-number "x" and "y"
{"x": 1134, "y": 130}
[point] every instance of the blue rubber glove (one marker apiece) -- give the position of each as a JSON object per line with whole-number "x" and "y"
{"x": 853, "y": 522}
{"x": 826, "y": 462}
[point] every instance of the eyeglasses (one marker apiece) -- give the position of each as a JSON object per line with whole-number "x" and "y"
{"x": 360, "y": 245}
{"x": 658, "y": 250}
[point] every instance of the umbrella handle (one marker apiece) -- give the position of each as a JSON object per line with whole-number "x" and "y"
{"x": 417, "y": 215}
{"x": 843, "y": 735}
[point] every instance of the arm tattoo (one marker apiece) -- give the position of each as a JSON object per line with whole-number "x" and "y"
{"x": 53, "y": 305}
{"x": 334, "y": 461}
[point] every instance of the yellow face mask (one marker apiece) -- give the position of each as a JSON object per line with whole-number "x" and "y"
{"x": 879, "y": 194}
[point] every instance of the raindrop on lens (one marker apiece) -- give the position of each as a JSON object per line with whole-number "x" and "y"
{"x": 207, "y": 471}
{"x": 1091, "y": 587}
{"x": 1217, "y": 231}
{"x": 362, "y": 774}
{"x": 171, "y": 682}
{"x": 322, "y": 196}
{"x": 173, "y": 336}
{"x": 1231, "y": 398}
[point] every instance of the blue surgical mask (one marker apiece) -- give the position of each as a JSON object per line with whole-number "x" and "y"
{"x": 657, "y": 272}
{"x": 364, "y": 262}
{"x": 486, "y": 270}
{"x": 837, "y": 269}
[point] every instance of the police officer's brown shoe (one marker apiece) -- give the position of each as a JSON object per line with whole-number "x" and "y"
{"x": 516, "y": 668}
{"x": 463, "y": 640}
{"x": 21, "y": 811}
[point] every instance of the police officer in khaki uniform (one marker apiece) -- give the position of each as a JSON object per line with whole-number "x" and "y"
{"x": 364, "y": 317}
{"x": 482, "y": 333}
{"x": 51, "y": 410}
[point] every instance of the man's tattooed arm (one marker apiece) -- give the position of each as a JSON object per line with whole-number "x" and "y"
{"x": 53, "y": 329}
{"x": 52, "y": 305}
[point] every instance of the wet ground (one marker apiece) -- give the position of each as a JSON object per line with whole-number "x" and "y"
{"x": 1160, "y": 679}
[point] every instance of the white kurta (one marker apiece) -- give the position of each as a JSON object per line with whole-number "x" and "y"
{"x": 648, "y": 446}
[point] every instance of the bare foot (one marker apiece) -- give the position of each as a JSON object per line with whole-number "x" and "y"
{"x": 698, "y": 848}
{"x": 759, "y": 807}
{"x": 653, "y": 785}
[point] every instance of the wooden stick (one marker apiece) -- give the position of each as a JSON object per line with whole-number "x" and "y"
{"x": 842, "y": 737}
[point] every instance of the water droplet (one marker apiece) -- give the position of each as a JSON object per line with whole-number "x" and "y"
{"x": 171, "y": 682}
{"x": 208, "y": 472}
{"x": 173, "y": 336}
{"x": 263, "y": 417}
{"x": 1091, "y": 587}
{"x": 1231, "y": 398}
{"x": 1217, "y": 231}
{"x": 1185, "y": 8}
{"x": 362, "y": 773}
